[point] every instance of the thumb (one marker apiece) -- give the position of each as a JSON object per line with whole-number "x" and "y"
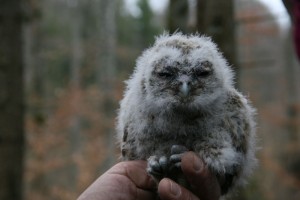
{"x": 169, "y": 190}
{"x": 204, "y": 184}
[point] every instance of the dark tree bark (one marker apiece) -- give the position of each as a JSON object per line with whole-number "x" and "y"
{"x": 11, "y": 100}
{"x": 76, "y": 63}
{"x": 107, "y": 69}
{"x": 215, "y": 18}
{"x": 178, "y": 16}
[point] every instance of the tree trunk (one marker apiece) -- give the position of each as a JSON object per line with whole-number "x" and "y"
{"x": 215, "y": 18}
{"x": 178, "y": 16}
{"x": 76, "y": 63}
{"x": 107, "y": 71}
{"x": 11, "y": 100}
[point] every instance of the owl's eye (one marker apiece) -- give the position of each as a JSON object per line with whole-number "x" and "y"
{"x": 165, "y": 74}
{"x": 202, "y": 72}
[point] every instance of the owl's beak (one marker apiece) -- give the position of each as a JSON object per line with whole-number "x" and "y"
{"x": 184, "y": 89}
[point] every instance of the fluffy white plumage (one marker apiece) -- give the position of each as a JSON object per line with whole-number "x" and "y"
{"x": 182, "y": 93}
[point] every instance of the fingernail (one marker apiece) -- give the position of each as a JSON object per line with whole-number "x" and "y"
{"x": 175, "y": 189}
{"x": 198, "y": 165}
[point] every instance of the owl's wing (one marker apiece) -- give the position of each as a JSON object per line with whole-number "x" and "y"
{"x": 124, "y": 140}
{"x": 128, "y": 146}
{"x": 237, "y": 123}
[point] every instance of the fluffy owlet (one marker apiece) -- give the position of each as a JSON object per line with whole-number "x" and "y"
{"x": 181, "y": 98}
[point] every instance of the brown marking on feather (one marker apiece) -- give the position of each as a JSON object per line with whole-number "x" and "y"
{"x": 235, "y": 101}
{"x": 183, "y": 46}
{"x": 125, "y": 134}
{"x": 124, "y": 152}
{"x": 143, "y": 86}
{"x": 238, "y": 133}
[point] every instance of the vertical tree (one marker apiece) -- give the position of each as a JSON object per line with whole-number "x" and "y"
{"x": 178, "y": 16}
{"x": 11, "y": 100}
{"x": 75, "y": 65}
{"x": 107, "y": 68}
{"x": 214, "y": 18}
{"x": 146, "y": 28}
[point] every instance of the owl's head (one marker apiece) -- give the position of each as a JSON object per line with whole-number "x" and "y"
{"x": 183, "y": 70}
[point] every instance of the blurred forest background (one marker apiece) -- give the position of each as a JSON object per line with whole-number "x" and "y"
{"x": 62, "y": 67}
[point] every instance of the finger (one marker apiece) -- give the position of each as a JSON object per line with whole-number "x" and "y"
{"x": 204, "y": 184}
{"x": 143, "y": 194}
{"x": 136, "y": 172}
{"x": 169, "y": 190}
{"x": 125, "y": 180}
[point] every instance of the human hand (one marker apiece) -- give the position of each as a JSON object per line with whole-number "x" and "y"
{"x": 129, "y": 180}
{"x": 126, "y": 180}
{"x": 204, "y": 185}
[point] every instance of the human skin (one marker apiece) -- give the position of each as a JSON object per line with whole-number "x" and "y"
{"x": 130, "y": 181}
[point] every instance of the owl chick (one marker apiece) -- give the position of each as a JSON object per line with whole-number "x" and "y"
{"x": 181, "y": 98}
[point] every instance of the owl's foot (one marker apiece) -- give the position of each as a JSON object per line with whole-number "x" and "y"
{"x": 160, "y": 167}
{"x": 177, "y": 152}
{"x": 157, "y": 166}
